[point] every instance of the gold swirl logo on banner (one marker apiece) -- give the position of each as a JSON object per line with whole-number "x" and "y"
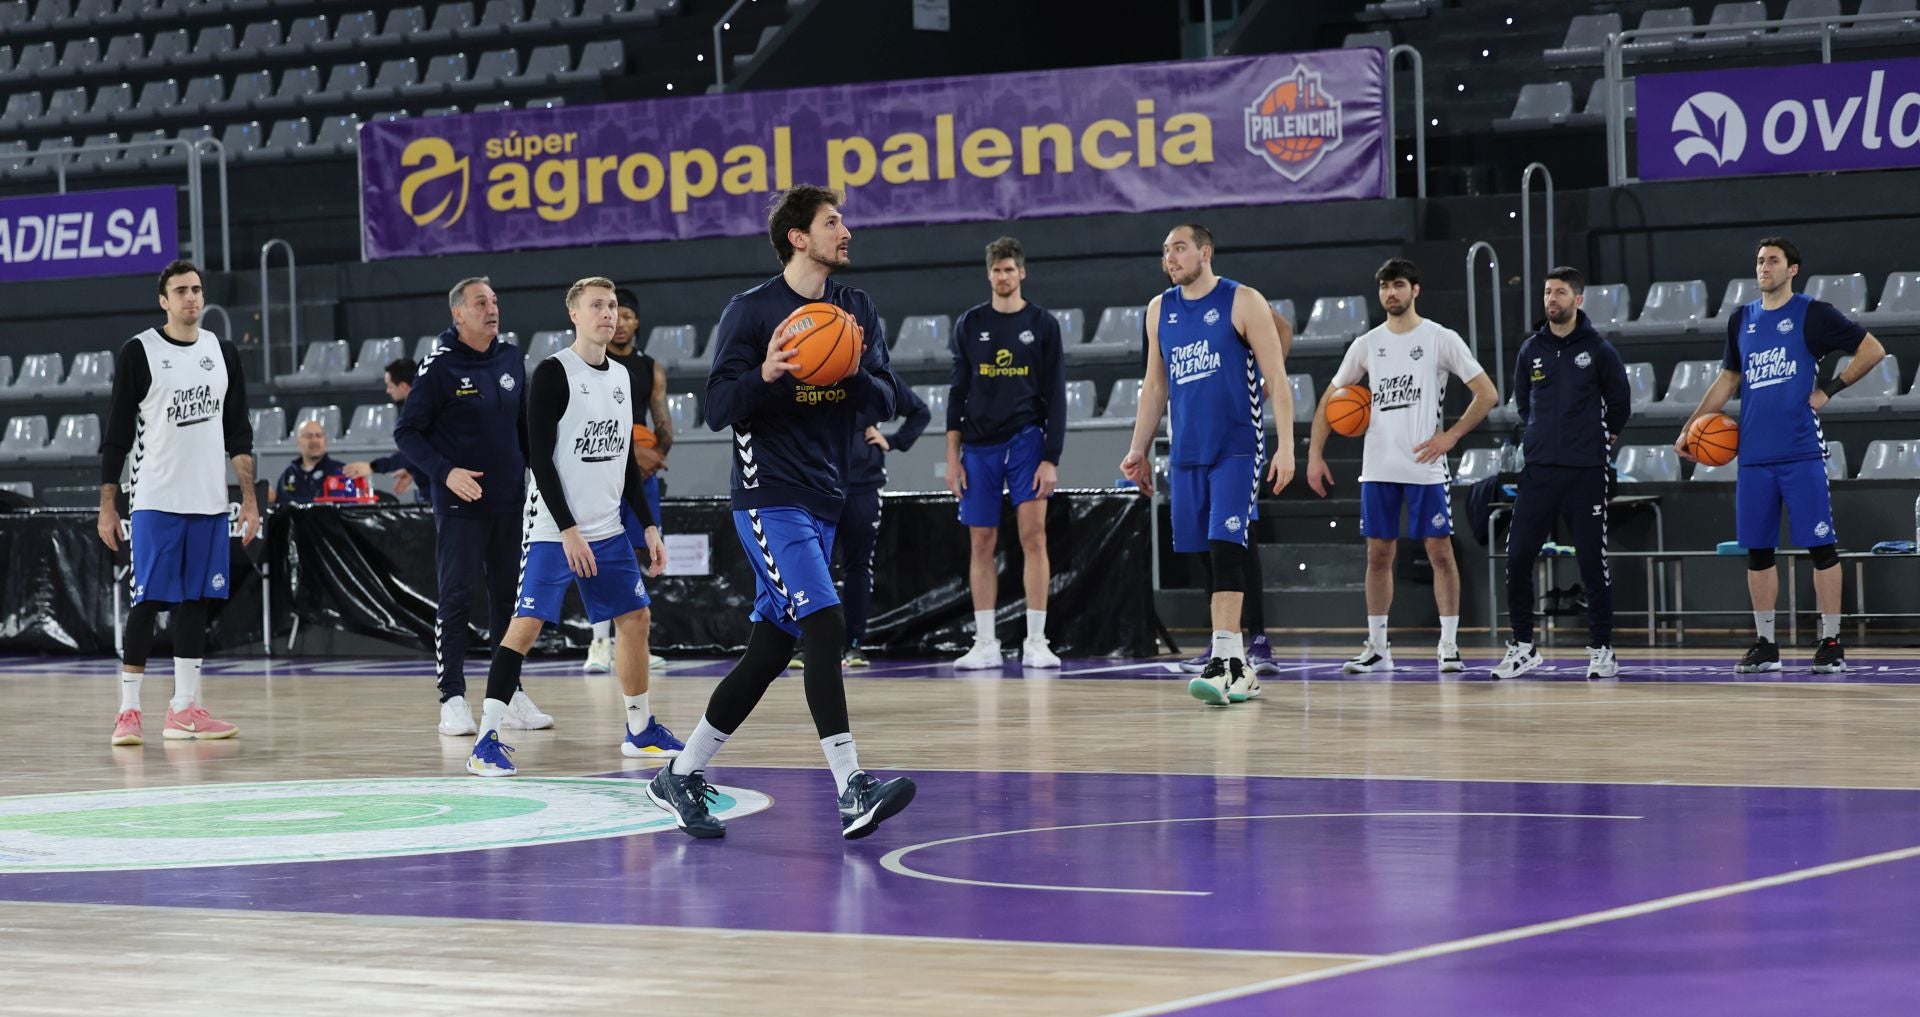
{"x": 440, "y": 162}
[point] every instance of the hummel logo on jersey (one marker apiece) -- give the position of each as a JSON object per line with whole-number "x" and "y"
{"x": 206, "y": 363}
{"x": 1173, "y": 317}
{"x": 1751, "y": 327}
{"x": 985, "y": 336}
{"x": 1212, "y": 316}
{"x": 166, "y": 365}
{"x": 1785, "y": 326}
{"x": 583, "y": 389}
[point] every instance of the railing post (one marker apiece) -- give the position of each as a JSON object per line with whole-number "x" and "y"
{"x": 720, "y": 57}
{"x": 293, "y": 309}
{"x": 1526, "y": 225}
{"x": 1419, "y": 122}
{"x": 1473, "y": 312}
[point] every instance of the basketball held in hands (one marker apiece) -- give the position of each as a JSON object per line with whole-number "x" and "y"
{"x": 826, "y": 342}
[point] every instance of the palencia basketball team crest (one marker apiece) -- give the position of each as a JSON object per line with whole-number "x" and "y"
{"x": 1294, "y": 124}
{"x": 323, "y": 820}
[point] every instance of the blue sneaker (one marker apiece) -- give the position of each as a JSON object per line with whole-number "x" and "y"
{"x": 490, "y": 758}
{"x": 1260, "y": 656}
{"x": 1192, "y": 665}
{"x": 654, "y": 740}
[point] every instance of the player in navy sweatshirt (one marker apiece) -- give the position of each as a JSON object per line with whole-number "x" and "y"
{"x": 792, "y": 445}
{"x": 1006, "y": 425}
{"x": 461, "y": 424}
{"x": 1570, "y": 387}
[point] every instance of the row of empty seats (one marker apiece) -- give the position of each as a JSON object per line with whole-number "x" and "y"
{"x": 1548, "y": 105}
{"x": 1730, "y": 28}
{"x": 44, "y": 375}
{"x": 26, "y": 439}
{"x": 370, "y": 429}
{"x": 1690, "y": 379}
{"x": 293, "y": 36}
{"x": 1674, "y": 307}
{"x": 1886, "y": 459}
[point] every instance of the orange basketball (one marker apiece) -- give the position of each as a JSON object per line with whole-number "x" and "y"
{"x": 826, "y": 341}
{"x": 1349, "y": 409}
{"x": 1713, "y": 439}
{"x": 643, "y": 437}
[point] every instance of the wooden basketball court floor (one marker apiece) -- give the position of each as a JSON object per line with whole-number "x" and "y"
{"x": 1679, "y": 841}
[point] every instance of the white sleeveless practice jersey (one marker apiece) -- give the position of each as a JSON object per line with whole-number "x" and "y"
{"x": 179, "y": 458}
{"x": 590, "y": 452}
{"x": 1408, "y": 376}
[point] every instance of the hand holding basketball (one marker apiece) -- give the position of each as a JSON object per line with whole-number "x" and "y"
{"x": 1349, "y": 409}
{"x": 1712, "y": 439}
{"x": 822, "y": 342}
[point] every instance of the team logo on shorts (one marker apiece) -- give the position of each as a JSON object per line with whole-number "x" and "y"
{"x": 1233, "y": 524}
{"x": 526, "y": 602}
{"x": 1585, "y": 359}
{"x": 506, "y": 381}
{"x": 1821, "y": 529}
{"x": 1212, "y": 316}
{"x": 219, "y": 581}
{"x": 206, "y": 363}
{"x": 1439, "y": 519}
{"x": 800, "y": 598}
{"x": 1785, "y": 326}
{"x": 640, "y": 588}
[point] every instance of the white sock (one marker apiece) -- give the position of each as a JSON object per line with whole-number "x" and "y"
{"x": 1829, "y": 626}
{"x": 1377, "y": 632}
{"x": 1450, "y": 629}
{"x": 1524, "y": 648}
{"x": 639, "y": 712}
{"x": 492, "y": 713}
{"x": 603, "y": 630}
{"x": 702, "y": 744}
{"x": 841, "y": 758}
{"x": 130, "y": 690}
{"x": 1036, "y": 626}
{"x": 1227, "y": 645}
{"x": 1763, "y": 624}
{"x": 186, "y": 683}
{"x": 983, "y": 626}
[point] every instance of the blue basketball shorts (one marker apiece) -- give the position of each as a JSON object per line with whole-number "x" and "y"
{"x": 1211, "y": 503}
{"x": 1762, "y": 490}
{"x": 1007, "y": 466}
{"x": 618, "y": 587}
{"x": 180, "y": 557}
{"x": 790, "y": 550}
{"x": 1429, "y": 510}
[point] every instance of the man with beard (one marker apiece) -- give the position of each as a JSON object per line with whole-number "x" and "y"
{"x": 1404, "y": 461}
{"x": 1570, "y": 387}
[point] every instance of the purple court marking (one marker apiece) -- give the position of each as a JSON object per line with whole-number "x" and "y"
{"x": 1296, "y": 666}
{"x": 1427, "y": 862}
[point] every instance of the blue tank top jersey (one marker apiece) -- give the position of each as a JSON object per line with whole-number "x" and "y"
{"x": 1213, "y": 383}
{"x": 1778, "y": 355}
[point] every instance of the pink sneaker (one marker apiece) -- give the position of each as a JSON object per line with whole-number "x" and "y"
{"x": 126, "y": 728}
{"x": 193, "y": 722}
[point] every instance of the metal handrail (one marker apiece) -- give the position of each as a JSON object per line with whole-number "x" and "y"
{"x": 719, "y": 59}
{"x": 293, "y": 310}
{"x": 1419, "y": 122}
{"x": 1526, "y": 226}
{"x": 1615, "y": 66}
{"x": 209, "y": 311}
{"x": 1473, "y": 312}
{"x": 189, "y": 152}
{"x": 226, "y": 219}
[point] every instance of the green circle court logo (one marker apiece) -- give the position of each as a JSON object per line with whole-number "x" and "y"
{"x": 324, "y": 820}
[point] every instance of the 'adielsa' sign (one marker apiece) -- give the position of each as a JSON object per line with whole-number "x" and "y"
{"x": 86, "y": 233}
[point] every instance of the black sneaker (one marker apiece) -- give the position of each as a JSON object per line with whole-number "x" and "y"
{"x": 1763, "y": 655}
{"x": 686, "y": 797}
{"x": 1830, "y": 658}
{"x": 867, "y": 802}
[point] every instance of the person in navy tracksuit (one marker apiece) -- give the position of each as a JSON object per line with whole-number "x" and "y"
{"x": 859, "y": 528}
{"x": 1570, "y": 387}
{"x": 792, "y": 443}
{"x": 462, "y": 425}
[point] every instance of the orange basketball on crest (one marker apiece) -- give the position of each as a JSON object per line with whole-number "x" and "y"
{"x": 825, "y": 340}
{"x": 1349, "y": 409}
{"x": 1713, "y": 439}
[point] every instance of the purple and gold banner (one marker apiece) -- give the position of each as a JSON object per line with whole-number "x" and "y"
{"x": 1199, "y": 134}
{"x": 87, "y": 233}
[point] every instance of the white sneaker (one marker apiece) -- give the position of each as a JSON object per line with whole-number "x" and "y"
{"x": 522, "y": 715}
{"x": 1450, "y": 662}
{"x": 1243, "y": 683}
{"x": 456, "y": 718}
{"x": 1036, "y": 653}
{"x": 1517, "y": 662}
{"x": 1370, "y": 659}
{"x": 1600, "y": 663}
{"x": 655, "y": 662}
{"x": 599, "y": 657}
{"x": 985, "y": 654}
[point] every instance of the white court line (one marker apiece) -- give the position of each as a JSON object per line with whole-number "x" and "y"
{"x": 892, "y": 860}
{"x": 1526, "y": 932}
{"x": 1359, "y": 776}
{"x": 668, "y": 929}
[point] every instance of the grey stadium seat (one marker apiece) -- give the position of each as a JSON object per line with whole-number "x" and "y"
{"x": 259, "y": 39}
{"x": 602, "y": 58}
{"x": 1659, "y": 46}
{"x": 1846, "y": 292}
{"x": 67, "y": 106}
{"x": 683, "y": 408}
{"x": 212, "y": 45}
{"x": 1730, "y": 28}
{"x": 1607, "y": 306}
{"x": 287, "y": 139}
{"x": 935, "y": 396}
{"x": 347, "y": 80}
{"x": 497, "y": 18}
{"x": 1123, "y": 402}
{"x": 242, "y": 140}
{"x": 247, "y": 90}
{"x": 1119, "y": 337}
{"x": 92, "y": 374}
{"x": 1670, "y": 307}
{"x": 269, "y": 427}
{"x": 1685, "y": 386}
{"x": 167, "y": 50}
{"x": 443, "y": 75}
{"x": 40, "y": 374}
{"x": 123, "y": 52}
{"x": 1873, "y": 392}
{"x": 1586, "y": 41}
{"x": 677, "y": 347}
{"x": 1876, "y": 32}
{"x": 496, "y": 70}
{"x": 922, "y": 340}
{"x": 99, "y": 159}
{"x": 545, "y": 66}
{"x": 328, "y": 416}
{"x": 352, "y": 33}
{"x": 1073, "y": 326}
{"x": 1285, "y": 309}
{"x": 201, "y": 94}
{"x": 1886, "y": 459}
{"x": 1785, "y": 37}
{"x": 1336, "y": 319}
{"x": 1306, "y": 398}
{"x": 1080, "y": 400}
{"x": 156, "y": 98}
{"x": 304, "y": 35}
{"x": 25, "y": 438}
{"x": 396, "y": 77}
{"x": 1899, "y": 302}
{"x": 1738, "y": 293}
{"x": 109, "y": 102}
{"x": 449, "y": 20}
{"x": 77, "y": 436}
{"x": 1366, "y": 40}
{"x": 337, "y": 136}
{"x": 1648, "y": 463}
{"x": 1539, "y": 106}
{"x": 322, "y": 361}
{"x": 298, "y": 87}
{"x": 545, "y": 344}
{"x": 1476, "y": 464}
{"x": 1640, "y": 382}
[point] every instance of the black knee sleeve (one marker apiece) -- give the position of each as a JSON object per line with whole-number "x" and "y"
{"x": 136, "y": 644}
{"x": 190, "y": 629}
{"x": 825, "y": 633}
{"x": 1759, "y": 559}
{"x": 1824, "y": 557}
{"x": 1229, "y": 566}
